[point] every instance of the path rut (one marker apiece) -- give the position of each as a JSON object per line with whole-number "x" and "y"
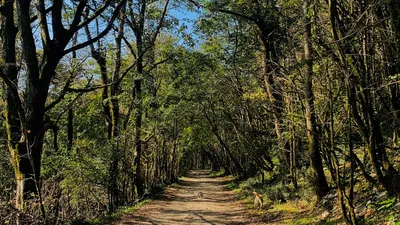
{"x": 182, "y": 204}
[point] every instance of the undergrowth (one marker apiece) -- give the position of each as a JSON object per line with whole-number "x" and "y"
{"x": 284, "y": 204}
{"x": 109, "y": 218}
{"x": 156, "y": 193}
{"x": 217, "y": 173}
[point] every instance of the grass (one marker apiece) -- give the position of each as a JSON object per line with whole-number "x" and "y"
{"x": 217, "y": 173}
{"x": 299, "y": 205}
{"x": 105, "y": 220}
{"x": 300, "y": 212}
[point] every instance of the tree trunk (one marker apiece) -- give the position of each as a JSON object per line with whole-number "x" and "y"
{"x": 393, "y": 52}
{"x": 115, "y": 155}
{"x": 138, "y": 126}
{"x": 12, "y": 115}
{"x": 30, "y": 148}
{"x": 273, "y": 87}
{"x": 25, "y": 133}
{"x": 318, "y": 176}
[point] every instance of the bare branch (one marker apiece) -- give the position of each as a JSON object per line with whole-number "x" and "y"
{"x": 99, "y": 36}
{"x": 64, "y": 91}
{"x": 96, "y": 14}
{"x": 34, "y": 18}
{"x": 159, "y": 63}
{"x": 90, "y": 89}
{"x": 61, "y": 95}
{"x": 77, "y": 18}
{"x": 198, "y": 5}
{"x": 129, "y": 46}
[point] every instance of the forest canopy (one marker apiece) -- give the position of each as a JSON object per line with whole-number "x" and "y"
{"x": 104, "y": 103}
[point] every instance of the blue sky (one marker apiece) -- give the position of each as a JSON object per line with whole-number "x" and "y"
{"x": 184, "y": 15}
{"x": 186, "y": 18}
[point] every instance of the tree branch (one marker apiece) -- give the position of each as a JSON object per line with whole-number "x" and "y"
{"x": 237, "y": 14}
{"x": 198, "y": 5}
{"x": 66, "y": 86}
{"x": 132, "y": 22}
{"x": 159, "y": 63}
{"x": 77, "y": 17}
{"x": 60, "y": 96}
{"x": 160, "y": 23}
{"x": 130, "y": 47}
{"x": 27, "y": 37}
{"x": 34, "y": 18}
{"x": 96, "y": 14}
{"x": 99, "y": 36}
{"x": 85, "y": 90}
{"x": 42, "y": 20}
{"x": 53, "y": 126}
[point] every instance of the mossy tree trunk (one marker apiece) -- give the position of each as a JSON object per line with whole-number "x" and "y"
{"x": 318, "y": 176}
{"x": 26, "y": 123}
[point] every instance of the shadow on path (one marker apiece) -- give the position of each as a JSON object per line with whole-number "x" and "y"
{"x": 182, "y": 204}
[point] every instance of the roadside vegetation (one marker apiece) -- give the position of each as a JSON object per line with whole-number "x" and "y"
{"x": 105, "y": 102}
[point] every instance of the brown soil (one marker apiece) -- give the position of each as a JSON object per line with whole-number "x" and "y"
{"x": 182, "y": 204}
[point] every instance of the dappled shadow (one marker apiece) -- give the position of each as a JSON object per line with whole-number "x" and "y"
{"x": 198, "y": 198}
{"x": 274, "y": 216}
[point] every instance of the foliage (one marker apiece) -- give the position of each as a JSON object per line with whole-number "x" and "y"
{"x": 241, "y": 95}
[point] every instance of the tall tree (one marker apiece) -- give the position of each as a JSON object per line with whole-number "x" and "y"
{"x": 318, "y": 176}
{"x": 26, "y": 122}
{"x": 358, "y": 76}
{"x": 137, "y": 16}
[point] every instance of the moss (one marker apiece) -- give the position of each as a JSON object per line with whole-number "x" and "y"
{"x": 286, "y": 208}
{"x": 304, "y": 221}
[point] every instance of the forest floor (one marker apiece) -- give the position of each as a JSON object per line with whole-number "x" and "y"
{"x": 198, "y": 198}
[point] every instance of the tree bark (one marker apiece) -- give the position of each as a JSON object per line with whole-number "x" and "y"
{"x": 318, "y": 176}
{"x": 393, "y": 55}
{"x": 26, "y": 133}
{"x": 368, "y": 123}
{"x": 38, "y": 82}
{"x": 115, "y": 155}
{"x": 12, "y": 116}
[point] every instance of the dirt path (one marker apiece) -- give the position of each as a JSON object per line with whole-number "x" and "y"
{"x": 182, "y": 204}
